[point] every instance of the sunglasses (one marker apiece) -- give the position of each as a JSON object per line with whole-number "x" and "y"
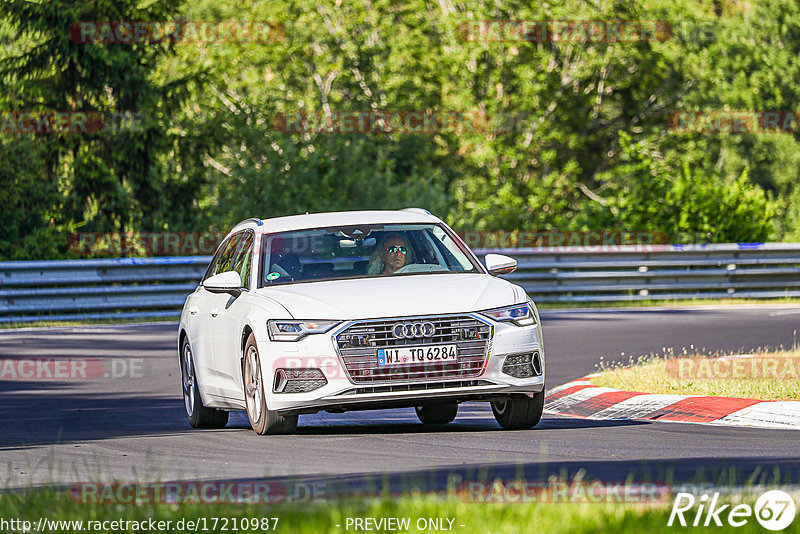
{"x": 395, "y": 250}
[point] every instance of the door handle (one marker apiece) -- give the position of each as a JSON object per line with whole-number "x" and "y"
{"x": 214, "y": 312}
{"x": 193, "y": 310}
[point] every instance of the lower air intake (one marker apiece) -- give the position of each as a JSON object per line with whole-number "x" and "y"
{"x": 298, "y": 380}
{"x": 523, "y": 365}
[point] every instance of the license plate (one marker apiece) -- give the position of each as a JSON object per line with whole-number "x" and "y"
{"x": 412, "y": 355}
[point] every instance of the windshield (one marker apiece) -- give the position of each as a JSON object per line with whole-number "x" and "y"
{"x": 362, "y": 251}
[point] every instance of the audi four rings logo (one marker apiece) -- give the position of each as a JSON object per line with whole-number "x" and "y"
{"x": 413, "y": 330}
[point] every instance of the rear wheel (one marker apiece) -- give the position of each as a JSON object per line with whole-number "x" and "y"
{"x": 262, "y": 419}
{"x": 519, "y": 411}
{"x": 439, "y": 413}
{"x": 199, "y": 416}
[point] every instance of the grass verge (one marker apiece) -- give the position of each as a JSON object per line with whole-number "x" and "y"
{"x": 468, "y": 517}
{"x": 761, "y": 375}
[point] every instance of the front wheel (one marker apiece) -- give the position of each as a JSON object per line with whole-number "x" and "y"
{"x": 199, "y": 416}
{"x": 437, "y": 414}
{"x": 519, "y": 411}
{"x": 262, "y": 419}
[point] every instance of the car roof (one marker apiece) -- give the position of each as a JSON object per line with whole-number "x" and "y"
{"x": 339, "y": 218}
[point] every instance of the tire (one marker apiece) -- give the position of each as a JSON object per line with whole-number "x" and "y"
{"x": 199, "y": 416}
{"x": 519, "y": 411}
{"x": 262, "y": 419}
{"x": 437, "y": 414}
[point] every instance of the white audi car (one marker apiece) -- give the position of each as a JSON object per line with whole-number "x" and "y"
{"x": 355, "y": 311}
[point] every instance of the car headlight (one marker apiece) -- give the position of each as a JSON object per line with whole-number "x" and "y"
{"x": 287, "y": 330}
{"x": 519, "y": 314}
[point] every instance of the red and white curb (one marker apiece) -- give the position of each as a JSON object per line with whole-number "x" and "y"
{"x": 581, "y": 398}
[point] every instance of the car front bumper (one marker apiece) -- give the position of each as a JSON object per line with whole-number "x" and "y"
{"x": 341, "y": 393}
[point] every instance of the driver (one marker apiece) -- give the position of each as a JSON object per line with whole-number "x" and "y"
{"x": 394, "y": 253}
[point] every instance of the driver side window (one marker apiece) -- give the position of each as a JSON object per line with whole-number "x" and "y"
{"x": 223, "y": 260}
{"x": 243, "y": 259}
{"x": 226, "y": 259}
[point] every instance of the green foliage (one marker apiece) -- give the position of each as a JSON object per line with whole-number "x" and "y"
{"x": 577, "y": 135}
{"x": 329, "y": 174}
{"x": 645, "y": 194}
{"x": 32, "y": 224}
{"x": 109, "y": 180}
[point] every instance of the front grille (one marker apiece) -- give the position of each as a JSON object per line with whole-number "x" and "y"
{"x": 358, "y": 345}
{"x": 416, "y": 387}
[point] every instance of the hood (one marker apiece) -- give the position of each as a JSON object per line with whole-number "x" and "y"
{"x": 397, "y": 296}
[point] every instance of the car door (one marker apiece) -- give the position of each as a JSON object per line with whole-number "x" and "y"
{"x": 228, "y": 323}
{"x": 198, "y": 305}
{"x": 209, "y": 310}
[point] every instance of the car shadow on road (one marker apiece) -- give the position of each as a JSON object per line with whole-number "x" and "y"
{"x": 36, "y": 414}
{"x": 31, "y": 418}
{"x": 404, "y": 421}
{"x": 458, "y": 427}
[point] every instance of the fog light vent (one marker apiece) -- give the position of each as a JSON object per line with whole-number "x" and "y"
{"x": 298, "y": 380}
{"x": 523, "y": 365}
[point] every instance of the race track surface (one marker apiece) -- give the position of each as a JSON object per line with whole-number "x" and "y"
{"x": 134, "y": 428}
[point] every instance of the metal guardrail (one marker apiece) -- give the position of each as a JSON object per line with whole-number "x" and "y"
{"x": 157, "y": 287}
{"x": 122, "y": 288}
{"x": 658, "y": 272}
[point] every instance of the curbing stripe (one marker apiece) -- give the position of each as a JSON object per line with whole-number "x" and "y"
{"x": 580, "y": 398}
{"x": 639, "y": 407}
{"x": 568, "y": 385}
{"x": 775, "y": 414}
{"x": 598, "y": 403}
{"x": 577, "y": 397}
{"x": 565, "y": 392}
{"x": 701, "y": 409}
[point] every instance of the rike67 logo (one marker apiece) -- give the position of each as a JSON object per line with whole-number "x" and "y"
{"x": 774, "y": 510}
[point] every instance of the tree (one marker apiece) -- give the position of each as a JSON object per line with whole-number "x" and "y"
{"x": 644, "y": 194}
{"x": 111, "y": 179}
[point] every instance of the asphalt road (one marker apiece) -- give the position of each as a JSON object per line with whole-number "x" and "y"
{"x": 128, "y": 423}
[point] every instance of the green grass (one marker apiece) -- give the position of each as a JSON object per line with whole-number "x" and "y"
{"x": 324, "y": 517}
{"x": 698, "y": 374}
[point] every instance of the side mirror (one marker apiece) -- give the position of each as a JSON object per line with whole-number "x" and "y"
{"x": 227, "y": 282}
{"x": 498, "y": 264}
